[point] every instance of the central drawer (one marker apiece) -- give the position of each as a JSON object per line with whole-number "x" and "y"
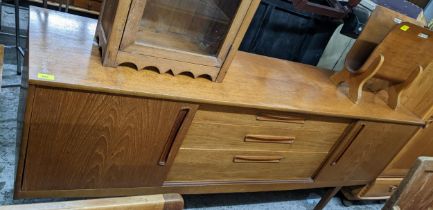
{"x": 254, "y": 130}
{"x": 222, "y": 165}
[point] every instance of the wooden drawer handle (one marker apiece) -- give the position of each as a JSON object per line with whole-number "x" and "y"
{"x": 257, "y": 159}
{"x": 278, "y": 118}
{"x": 181, "y": 116}
{"x": 270, "y": 139}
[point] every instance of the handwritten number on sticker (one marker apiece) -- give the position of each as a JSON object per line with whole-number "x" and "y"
{"x": 45, "y": 76}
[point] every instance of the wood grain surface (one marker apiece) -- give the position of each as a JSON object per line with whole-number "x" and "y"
{"x": 252, "y": 81}
{"x": 414, "y": 191}
{"x": 197, "y": 165}
{"x": 148, "y": 202}
{"x": 81, "y": 140}
{"x": 236, "y": 129}
{"x": 420, "y": 145}
{"x": 365, "y": 151}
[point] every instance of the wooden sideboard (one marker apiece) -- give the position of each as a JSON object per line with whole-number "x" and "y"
{"x": 92, "y": 131}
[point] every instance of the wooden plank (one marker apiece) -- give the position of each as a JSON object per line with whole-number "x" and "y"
{"x": 253, "y": 81}
{"x": 149, "y": 202}
{"x": 415, "y": 191}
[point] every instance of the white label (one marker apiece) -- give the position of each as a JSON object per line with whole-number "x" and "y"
{"x": 422, "y": 35}
{"x": 397, "y": 20}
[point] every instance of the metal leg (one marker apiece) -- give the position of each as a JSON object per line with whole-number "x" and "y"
{"x": 67, "y": 6}
{"x": 45, "y": 3}
{"x": 17, "y": 35}
{"x": 1, "y": 14}
{"x": 60, "y": 5}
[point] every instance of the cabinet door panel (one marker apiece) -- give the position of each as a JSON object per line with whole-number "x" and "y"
{"x": 420, "y": 145}
{"x": 365, "y": 151}
{"x": 80, "y": 140}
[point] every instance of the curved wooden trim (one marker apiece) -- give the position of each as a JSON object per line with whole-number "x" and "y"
{"x": 162, "y": 65}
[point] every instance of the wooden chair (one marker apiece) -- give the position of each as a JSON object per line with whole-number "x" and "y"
{"x": 149, "y": 202}
{"x": 416, "y": 189}
{"x": 393, "y": 53}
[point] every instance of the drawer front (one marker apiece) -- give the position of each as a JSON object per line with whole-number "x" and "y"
{"x": 242, "y": 137}
{"x": 234, "y": 116}
{"x": 221, "y": 165}
{"x": 239, "y": 129}
{"x": 382, "y": 187}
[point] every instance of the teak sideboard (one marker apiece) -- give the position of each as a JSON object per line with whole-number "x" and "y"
{"x": 92, "y": 131}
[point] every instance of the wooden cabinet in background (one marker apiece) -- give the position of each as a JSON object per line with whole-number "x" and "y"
{"x": 83, "y": 140}
{"x": 420, "y": 145}
{"x": 181, "y": 36}
{"x": 365, "y": 150}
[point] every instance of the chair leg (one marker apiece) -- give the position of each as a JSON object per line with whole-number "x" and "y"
{"x": 327, "y": 197}
{"x": 395, "y": 91}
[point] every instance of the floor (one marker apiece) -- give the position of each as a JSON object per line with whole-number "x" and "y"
{"x": 299, "y": 200}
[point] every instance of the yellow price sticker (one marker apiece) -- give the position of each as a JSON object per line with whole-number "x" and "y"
{"x": 45, "y": 76}
{"x": 404, "y": 28}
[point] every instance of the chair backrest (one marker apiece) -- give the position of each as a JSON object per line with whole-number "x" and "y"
{"x": 416, "y": 189}
{"x": 405, "y": 48}
{"x": 381, "y": 21}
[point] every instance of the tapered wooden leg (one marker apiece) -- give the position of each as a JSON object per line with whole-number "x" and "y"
{"x": 327, "y": 197}
{"x": 395, "y": 91}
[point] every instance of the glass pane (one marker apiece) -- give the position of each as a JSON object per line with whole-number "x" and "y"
{"x": 198, "y": 26}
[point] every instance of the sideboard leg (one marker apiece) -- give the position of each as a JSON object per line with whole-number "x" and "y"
{"x": 327, "y": 197}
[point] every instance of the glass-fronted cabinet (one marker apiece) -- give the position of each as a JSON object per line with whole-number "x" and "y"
{"x": 195, "y": 36}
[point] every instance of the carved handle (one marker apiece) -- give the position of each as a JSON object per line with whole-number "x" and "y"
{"x": 181, "y": 116}
{"x": 257, "y": 159}
{"x": 357, "y": 131}
{"x": 278, "y": 118}
{"x": 270, "y": 139}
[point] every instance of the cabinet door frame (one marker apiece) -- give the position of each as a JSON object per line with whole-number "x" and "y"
{"x": 132, "y": 26}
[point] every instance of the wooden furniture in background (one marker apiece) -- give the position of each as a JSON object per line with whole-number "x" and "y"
{"x": 149, "y": 202}
{"x": 380, "y": 23}
{"x": 199, "y": 38}
{"x": 271, "y": 125}
{"x": 419, "y": 99}
{"x": 415, "y": 191}
{"x": 399, "y": 59}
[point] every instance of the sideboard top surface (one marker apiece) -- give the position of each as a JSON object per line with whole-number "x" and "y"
{"x": 63, "y": 45}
